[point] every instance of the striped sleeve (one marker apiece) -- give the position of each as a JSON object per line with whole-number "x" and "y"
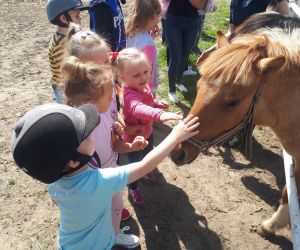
{"x": 56, "y": 53}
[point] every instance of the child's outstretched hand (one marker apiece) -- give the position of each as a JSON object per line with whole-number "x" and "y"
{"x": 186, "y": 128}
{"x": 118, "y": 128}
{"x": 162, "y": 104}
{"x": 139, "y": 143}
{"x": 168, "y": 116}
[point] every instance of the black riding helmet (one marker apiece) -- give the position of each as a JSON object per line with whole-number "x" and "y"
{"x": 55, "y": 8}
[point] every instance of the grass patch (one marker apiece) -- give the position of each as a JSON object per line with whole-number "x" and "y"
{"x": 213, "y": 22}
{"x": 11, "y": 182}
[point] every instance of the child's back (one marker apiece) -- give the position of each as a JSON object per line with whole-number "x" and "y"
{"x": 84, "y": 200}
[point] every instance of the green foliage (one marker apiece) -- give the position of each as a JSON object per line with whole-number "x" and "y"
{"x": 11, "y": 182}
{"x": 213, "y": 22}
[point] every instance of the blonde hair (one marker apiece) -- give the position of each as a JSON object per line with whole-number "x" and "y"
{"x": 84, "y": 80}
{"x": 129, "y": 57}
{"x": 142, "y": 12}
{"x": 84, "y": 43}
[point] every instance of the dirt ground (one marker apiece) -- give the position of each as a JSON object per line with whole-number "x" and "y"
{"x": 214, "y": 203}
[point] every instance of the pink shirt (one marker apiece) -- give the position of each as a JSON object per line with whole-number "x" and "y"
{"x": 102, "y": 136}
{"x": 140, "y": 108}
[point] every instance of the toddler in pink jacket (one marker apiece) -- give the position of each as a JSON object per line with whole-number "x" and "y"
{"x": 140, "y": 107}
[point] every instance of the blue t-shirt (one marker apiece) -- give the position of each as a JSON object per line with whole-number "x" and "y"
{"x": 84, "y": 201}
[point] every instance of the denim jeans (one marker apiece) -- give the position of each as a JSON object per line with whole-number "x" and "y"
{"x": 138, "y": 156}
{"x": 57, "y": 94}
{"x": 201, "y": 19}
{"x": 164, "y": 39}
{"x": 181, "y": 34}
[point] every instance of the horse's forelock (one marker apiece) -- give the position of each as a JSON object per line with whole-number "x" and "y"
{"x": 234, "y": 63}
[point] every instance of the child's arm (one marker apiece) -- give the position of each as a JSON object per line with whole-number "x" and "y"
{"x": 139, "y": 143}
{"x": 169, "y": 116}
{"x": 184, "y": 130}
{"x": 145, "y": 112}
{"x": 121, "y": 127}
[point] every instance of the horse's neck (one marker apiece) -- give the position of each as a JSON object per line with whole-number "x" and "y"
{"x": 278, "y": 109}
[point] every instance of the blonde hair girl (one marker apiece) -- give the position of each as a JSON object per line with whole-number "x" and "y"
{"x": 87, "y": 82}
{"x": 140, "y": 107}
{"x": 89, "y": 49}
{"x": 87, "y": 45}
{"x": 143, "y": 19}
{"x": 141, "y": 15}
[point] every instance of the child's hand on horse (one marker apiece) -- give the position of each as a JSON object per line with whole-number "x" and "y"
{"x": 186, "y": 128}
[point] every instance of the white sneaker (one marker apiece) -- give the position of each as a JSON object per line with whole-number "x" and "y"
{"x": 126, "y": 240}
{"x": 181, "y": 87}
{"x": 173, "y": 97}
{"x": 189, "y": 72}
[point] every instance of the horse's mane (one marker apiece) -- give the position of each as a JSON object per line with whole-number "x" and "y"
{"x": 267, "y": 20}
{"x": 238, "y": 61}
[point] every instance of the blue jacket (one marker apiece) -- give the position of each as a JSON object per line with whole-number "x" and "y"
{"x": 107, "y": 20}
{"x": 240, "y": 10}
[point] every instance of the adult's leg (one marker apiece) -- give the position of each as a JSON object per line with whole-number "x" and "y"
{"x": 189, "y": 35}
{"x": 164, "y": 39}
{"x": 174, "y": 37}
{"x": 201, "y": 19}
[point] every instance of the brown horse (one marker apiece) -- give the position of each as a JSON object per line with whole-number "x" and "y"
{"x": 255, "y": 78}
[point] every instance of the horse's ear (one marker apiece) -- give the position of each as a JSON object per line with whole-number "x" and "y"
{"x": 272, "y": 7}
{"x": 202, "y": 57}
{"x": 221, "y": 39}
{"x": 270, "y": 64}
{"x": 205, "y": 54}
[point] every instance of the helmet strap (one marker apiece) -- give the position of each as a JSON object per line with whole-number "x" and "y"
{"x": 68, "y": 17}
{"x": 83, "y": 159}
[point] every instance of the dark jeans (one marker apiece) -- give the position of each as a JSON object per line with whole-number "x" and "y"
{"x": 181, "y": 34}
{"x": 138, "y": 156}
{"x": 164, "y": 40}
{"x": 201, "y": 19}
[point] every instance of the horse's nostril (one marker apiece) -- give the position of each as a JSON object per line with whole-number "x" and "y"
{"x": 178, "y": 157}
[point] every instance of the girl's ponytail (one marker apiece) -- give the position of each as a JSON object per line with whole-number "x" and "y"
{"x": 74, "y": 70}
{"x": 84, "y": 80}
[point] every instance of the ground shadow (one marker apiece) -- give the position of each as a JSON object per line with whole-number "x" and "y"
{"x": 264, "y": 159}
{"x": 169, "y": 220}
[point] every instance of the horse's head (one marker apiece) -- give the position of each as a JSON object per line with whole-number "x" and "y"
{"x": 230, "y": 77}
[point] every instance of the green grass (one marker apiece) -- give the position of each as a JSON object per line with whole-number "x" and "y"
{"x": 213, "y": 22}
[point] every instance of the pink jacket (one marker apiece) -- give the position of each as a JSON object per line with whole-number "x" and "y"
{"x": 140, "y": 108}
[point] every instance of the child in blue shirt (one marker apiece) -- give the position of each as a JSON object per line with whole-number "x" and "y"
{"x": 52, "y": 144}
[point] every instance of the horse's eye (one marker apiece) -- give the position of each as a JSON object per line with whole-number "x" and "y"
{"x": 232, "y": 103}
